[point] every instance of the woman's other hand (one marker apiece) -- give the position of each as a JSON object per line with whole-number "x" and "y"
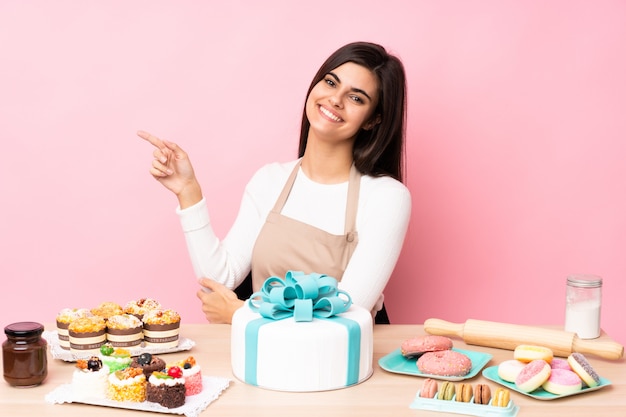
{"x": 172, "y": 168}
{"x": 219, "y": 304}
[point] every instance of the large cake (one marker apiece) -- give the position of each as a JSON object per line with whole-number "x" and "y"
{"x": 301, "y": 334}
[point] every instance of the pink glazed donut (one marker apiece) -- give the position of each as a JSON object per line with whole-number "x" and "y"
{"x": 444, "y": 363}
{"x": 533, "y": 375}
{"x": 416, "y": 346}
{"x": 562, "y": 382}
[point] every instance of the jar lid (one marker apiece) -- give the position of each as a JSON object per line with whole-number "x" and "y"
{"x": 584, "y": 280}
{"x": 24, "y": 329}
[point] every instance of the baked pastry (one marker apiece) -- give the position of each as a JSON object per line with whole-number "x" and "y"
{"x": 148, "y": 363}
{"x": 562, "y": 381}
{"x": 124, "y": 330}
{"x": 416, "y": 346}
{"x": 167, "y": 388}
{"x": 583, "y": 369}
{"x": 482, "y": 394}
{"x": 63, "y": 320}
{"x": 115, "y": 358}
{"x": 509, "y": 370}
{"x": 464, "y": 392}
{"x": 528, "y": 353}
{"x": 533, "y": 375}
{"x": 139, "y": 307}
{"x": 560, "y": 363}
{"x": 127, "y": 385}
{"x": 107, "y": 309}
{"x": 444, "y": 363}
{"x": 86, "y": 336}
{"x": 429, "y": 388}
{"x": 192, "y": 374}
{"x": 90, "y": 379}
{"x": 501, "y": 397}
{"x": 446, "y": 391}
{"x": 161, "y": 328}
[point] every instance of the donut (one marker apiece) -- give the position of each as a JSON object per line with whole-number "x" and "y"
{"x": 528, "y": 353}
{"x": 501, "y": 397}
{"x": 583, "y": 369}
{"x": 416, "y": 346}
{"x": 510, "y": 369}
{"x": 444, "y": 363}
{"x": 446, "y": 391}
{"x": 562, "y": 381}
{"x": 533, "y": 375}
{"x": 560, "y": 363}
{"x": 482, "y": 394}
{"x": 429, "y": 388}
{"x": 464, "y": 392}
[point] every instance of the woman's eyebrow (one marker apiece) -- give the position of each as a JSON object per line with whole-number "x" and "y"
{"x": 356, "y": 90}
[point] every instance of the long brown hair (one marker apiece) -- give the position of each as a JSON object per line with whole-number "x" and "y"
{"x": 378, "y": 151}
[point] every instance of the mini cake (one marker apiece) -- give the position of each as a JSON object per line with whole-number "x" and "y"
{"x": 321, "y": 351}
{"x": 161, "y": 328}
{"x": 148, "y": 363}
{"x": 115, "y": 358}
{"x": 90, "y": 379}
{"x": 86, "y": 336}
{"x": 124, "y": 330}
{"x": 127, "y": 385}
{"x": 107, "y": 309}
{"x": 167, "y": 388}
{"x": 139, "y": 307}
{"x": 63, "y": 320}
{"x": 192, "y": 374}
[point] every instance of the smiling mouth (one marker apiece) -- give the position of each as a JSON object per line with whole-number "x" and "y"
{"x": 330, "y": 115}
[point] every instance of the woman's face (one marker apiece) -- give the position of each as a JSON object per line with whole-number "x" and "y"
{"x": 342, "y": 103}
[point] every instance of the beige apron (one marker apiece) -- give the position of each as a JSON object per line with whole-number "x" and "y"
{"x": 286, "y": 244}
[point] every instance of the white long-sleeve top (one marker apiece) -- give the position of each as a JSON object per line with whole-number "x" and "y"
{"x": 382, "y": 220}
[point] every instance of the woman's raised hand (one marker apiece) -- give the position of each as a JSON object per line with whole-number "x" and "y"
{"x": 172, "y": 168}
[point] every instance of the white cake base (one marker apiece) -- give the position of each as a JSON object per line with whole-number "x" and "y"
{"x": 303, "y": 356}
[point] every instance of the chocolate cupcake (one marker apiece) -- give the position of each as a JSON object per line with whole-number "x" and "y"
{"x": 148, "y": 363}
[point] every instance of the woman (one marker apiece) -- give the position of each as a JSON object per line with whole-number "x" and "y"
{"x": 340, "y": 209}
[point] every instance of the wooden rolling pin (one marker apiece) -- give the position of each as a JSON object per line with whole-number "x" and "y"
{"x": 509, "y": 336}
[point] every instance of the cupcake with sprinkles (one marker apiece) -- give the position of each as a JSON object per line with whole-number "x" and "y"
{"x": 161, "y": 328}
{"x": 192, "y": 374}
{"x": 107, "y": 309}
{"x": 124, "y": 330}
{"x": 167, "y": 388}
{"x": 63, "y": 320}
{"x": 141, "y": 306}
{"x": 86, "y": 336}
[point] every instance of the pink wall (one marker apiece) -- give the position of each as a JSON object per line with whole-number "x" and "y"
{"x": 516, "y": 144}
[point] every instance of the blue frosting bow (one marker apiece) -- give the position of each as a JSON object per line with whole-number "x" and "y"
{"x": 300, "y": 296}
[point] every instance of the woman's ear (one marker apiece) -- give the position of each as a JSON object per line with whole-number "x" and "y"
{"x": 372, "y": 122}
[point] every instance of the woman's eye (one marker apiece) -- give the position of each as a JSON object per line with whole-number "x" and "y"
{"x": 357, "y": 99}
{"x": 330, "y": 82}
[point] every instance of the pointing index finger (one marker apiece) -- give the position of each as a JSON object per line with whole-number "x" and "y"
{"x": 151, "y": 138}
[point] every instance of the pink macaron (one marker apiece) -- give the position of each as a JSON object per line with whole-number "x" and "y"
{"x": 429, "y": 388}
{"x": 533, "y": 375}
{"x": 562, "y": 382}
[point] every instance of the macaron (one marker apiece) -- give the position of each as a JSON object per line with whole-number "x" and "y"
{"x": 562, "y": 382}
{"x": 444, "y": 363}
{"x": 446, "y": 391}
{"x": 501, "y": 397}
{"x": 464, "y": 392}
{"x": 416, "y": 346}
{"x": 429, "y": 388}
{"x": 510, "y": 369}
{"x": 533, "y": 375}
{"x": 528, "y": 353}
{"x": 482, "y": 394}
{"x": 583, "y": 369}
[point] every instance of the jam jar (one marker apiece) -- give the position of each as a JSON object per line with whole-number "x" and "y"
{"x": 24, "y": 355}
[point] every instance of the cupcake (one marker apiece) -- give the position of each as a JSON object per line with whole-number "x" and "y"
{"x": 107, "y": 309}
{"x": 127, "y": 385}
{"x": 115, "y": 358}
{"x": 86, "y": 336}
{"x": 63, "y": 320}
{"x": 161, "y": 328}
{"x": 148, "y": 363}
{"x": 140, "y": 307}
{"x": 90, "y": 379}
{"x": 124, "y": 330}
{"x": 167, "y": 388}
{"x": 192, "y": 374}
